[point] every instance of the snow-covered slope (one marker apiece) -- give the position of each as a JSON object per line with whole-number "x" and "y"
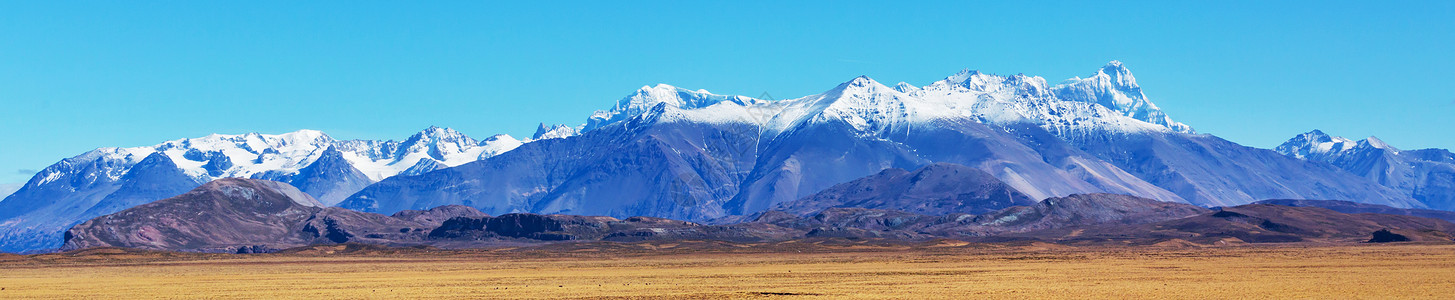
{"x": 249, "y": 155}
{"x": 553, "y": 132}
{"x": 749, "y": 154}
{"x": 672, "y": 152}
{"x": 1108, "y": 101}
{"x": 1115, "y": 88}
{"x": 108, "y": 180}
{"x": 1315, "y": 145}
{"x": 1427, "y": 175}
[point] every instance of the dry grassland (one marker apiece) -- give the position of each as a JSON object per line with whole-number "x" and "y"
{"x": 1288, "y": 272}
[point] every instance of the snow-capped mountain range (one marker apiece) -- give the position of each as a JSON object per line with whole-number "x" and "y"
{"x": 553, "y": 132}
{"x": 689, "y": 154}
{"x": 251, "y": 155}
{"x": 1428, "y": 175}
{"x": 672, "y": 152}
{"x": 107, "y": 180}
{"x": 1108, "y": 101}
{"x": 1315, "y": 145}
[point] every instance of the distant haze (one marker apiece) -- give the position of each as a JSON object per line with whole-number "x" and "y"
{"x": 9, "y": 188}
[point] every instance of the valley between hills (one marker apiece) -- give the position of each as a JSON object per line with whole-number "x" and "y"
{"x": 803, "y": 269}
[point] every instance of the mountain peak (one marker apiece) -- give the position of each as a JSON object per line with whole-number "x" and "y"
{"x": 440, "y": 135}
{"x": 647, "y": 97}
{"x": 437, "y": 131}
{"x": 1114, "y": 87}
{"x": 300, "y": 137}
{"x": 968, "y": 93}
{"x": 1315, "y": 145}
{"x": 860, "y": 81}
{"x": 905, "y": 87}
{"x": 1376, "y": 143}
{"x": 968, "y": 72}
{"x": 1317, "y": 136}
{"x": 553, "y": 131}
{"x": 1117, "y": 74}
{"x": 1114, "y": 64}
{"x": 860, "y": 86}
{"x": 971, "y": 79}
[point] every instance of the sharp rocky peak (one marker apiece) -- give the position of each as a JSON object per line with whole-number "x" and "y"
{"x": 436, "y": 133}
{"x": 1376, "y": 143}
{"x": 860, "y": 85}
{"x": 969, "y": 93}
{"x": 971, "y": 79}
{"x": 905, "y": 87}
{"x": 553, "y": 131}
{"x": 1317, "y": 145}
{"x": 648, "y": 97}
{"x": 1118, "y": 74}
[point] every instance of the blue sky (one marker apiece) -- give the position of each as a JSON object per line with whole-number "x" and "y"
{"x": 80, "y": 75}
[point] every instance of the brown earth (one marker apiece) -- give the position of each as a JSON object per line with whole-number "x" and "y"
{"x": 800, "y": 269}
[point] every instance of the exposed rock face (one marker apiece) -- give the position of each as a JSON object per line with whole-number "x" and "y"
{"x": 1263, "y": 223}
{"x": 253, "y": 216}
{"x": 330, "y": 177}
{"x": 1080, "y": 210}
{"x": 1385, "y": 236}
{"x": 220, "y": 214}
{"x": 438, "y": 215}
{"x": 546, "y": 227}
{"x": 935, "y": 189}
{"x": 245, "y": 215}
{"x": 1087, "y": 209}
{"x": 842, "y": 222}
{"x": 1364, "y": 208}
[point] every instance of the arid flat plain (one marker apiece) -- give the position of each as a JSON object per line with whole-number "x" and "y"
{"x": 718, "y": 270}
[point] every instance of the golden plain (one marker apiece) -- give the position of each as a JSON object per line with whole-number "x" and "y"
{"x": 666, "y": 271}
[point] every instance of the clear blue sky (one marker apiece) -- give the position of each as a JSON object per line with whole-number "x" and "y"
{"x": 80, "y": 75}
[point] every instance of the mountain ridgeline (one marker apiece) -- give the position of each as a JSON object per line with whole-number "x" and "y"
{"x": 251, "y": 216}
{"x": 1427, "y": 175}
{"x": 109, "y": 180}
{"x": 971, "y": 144}
{"x": 248, "y": 215}
{"x": 676, "y": 153}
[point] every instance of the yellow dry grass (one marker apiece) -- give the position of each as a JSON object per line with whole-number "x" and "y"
{"x": 1344, "y": 272}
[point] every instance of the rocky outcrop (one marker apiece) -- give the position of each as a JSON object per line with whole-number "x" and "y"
{"x": 1365, "y": 208}
{"x": 1385, "y": 236}
{"x": 1086, "y": 209}
{"x": 253, "y": 216}
{"x": 247, "y": 215}
{"x": 1260, "y": 223}
{"x": 547, "y": 227}
{"x": 438, "y": 215}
